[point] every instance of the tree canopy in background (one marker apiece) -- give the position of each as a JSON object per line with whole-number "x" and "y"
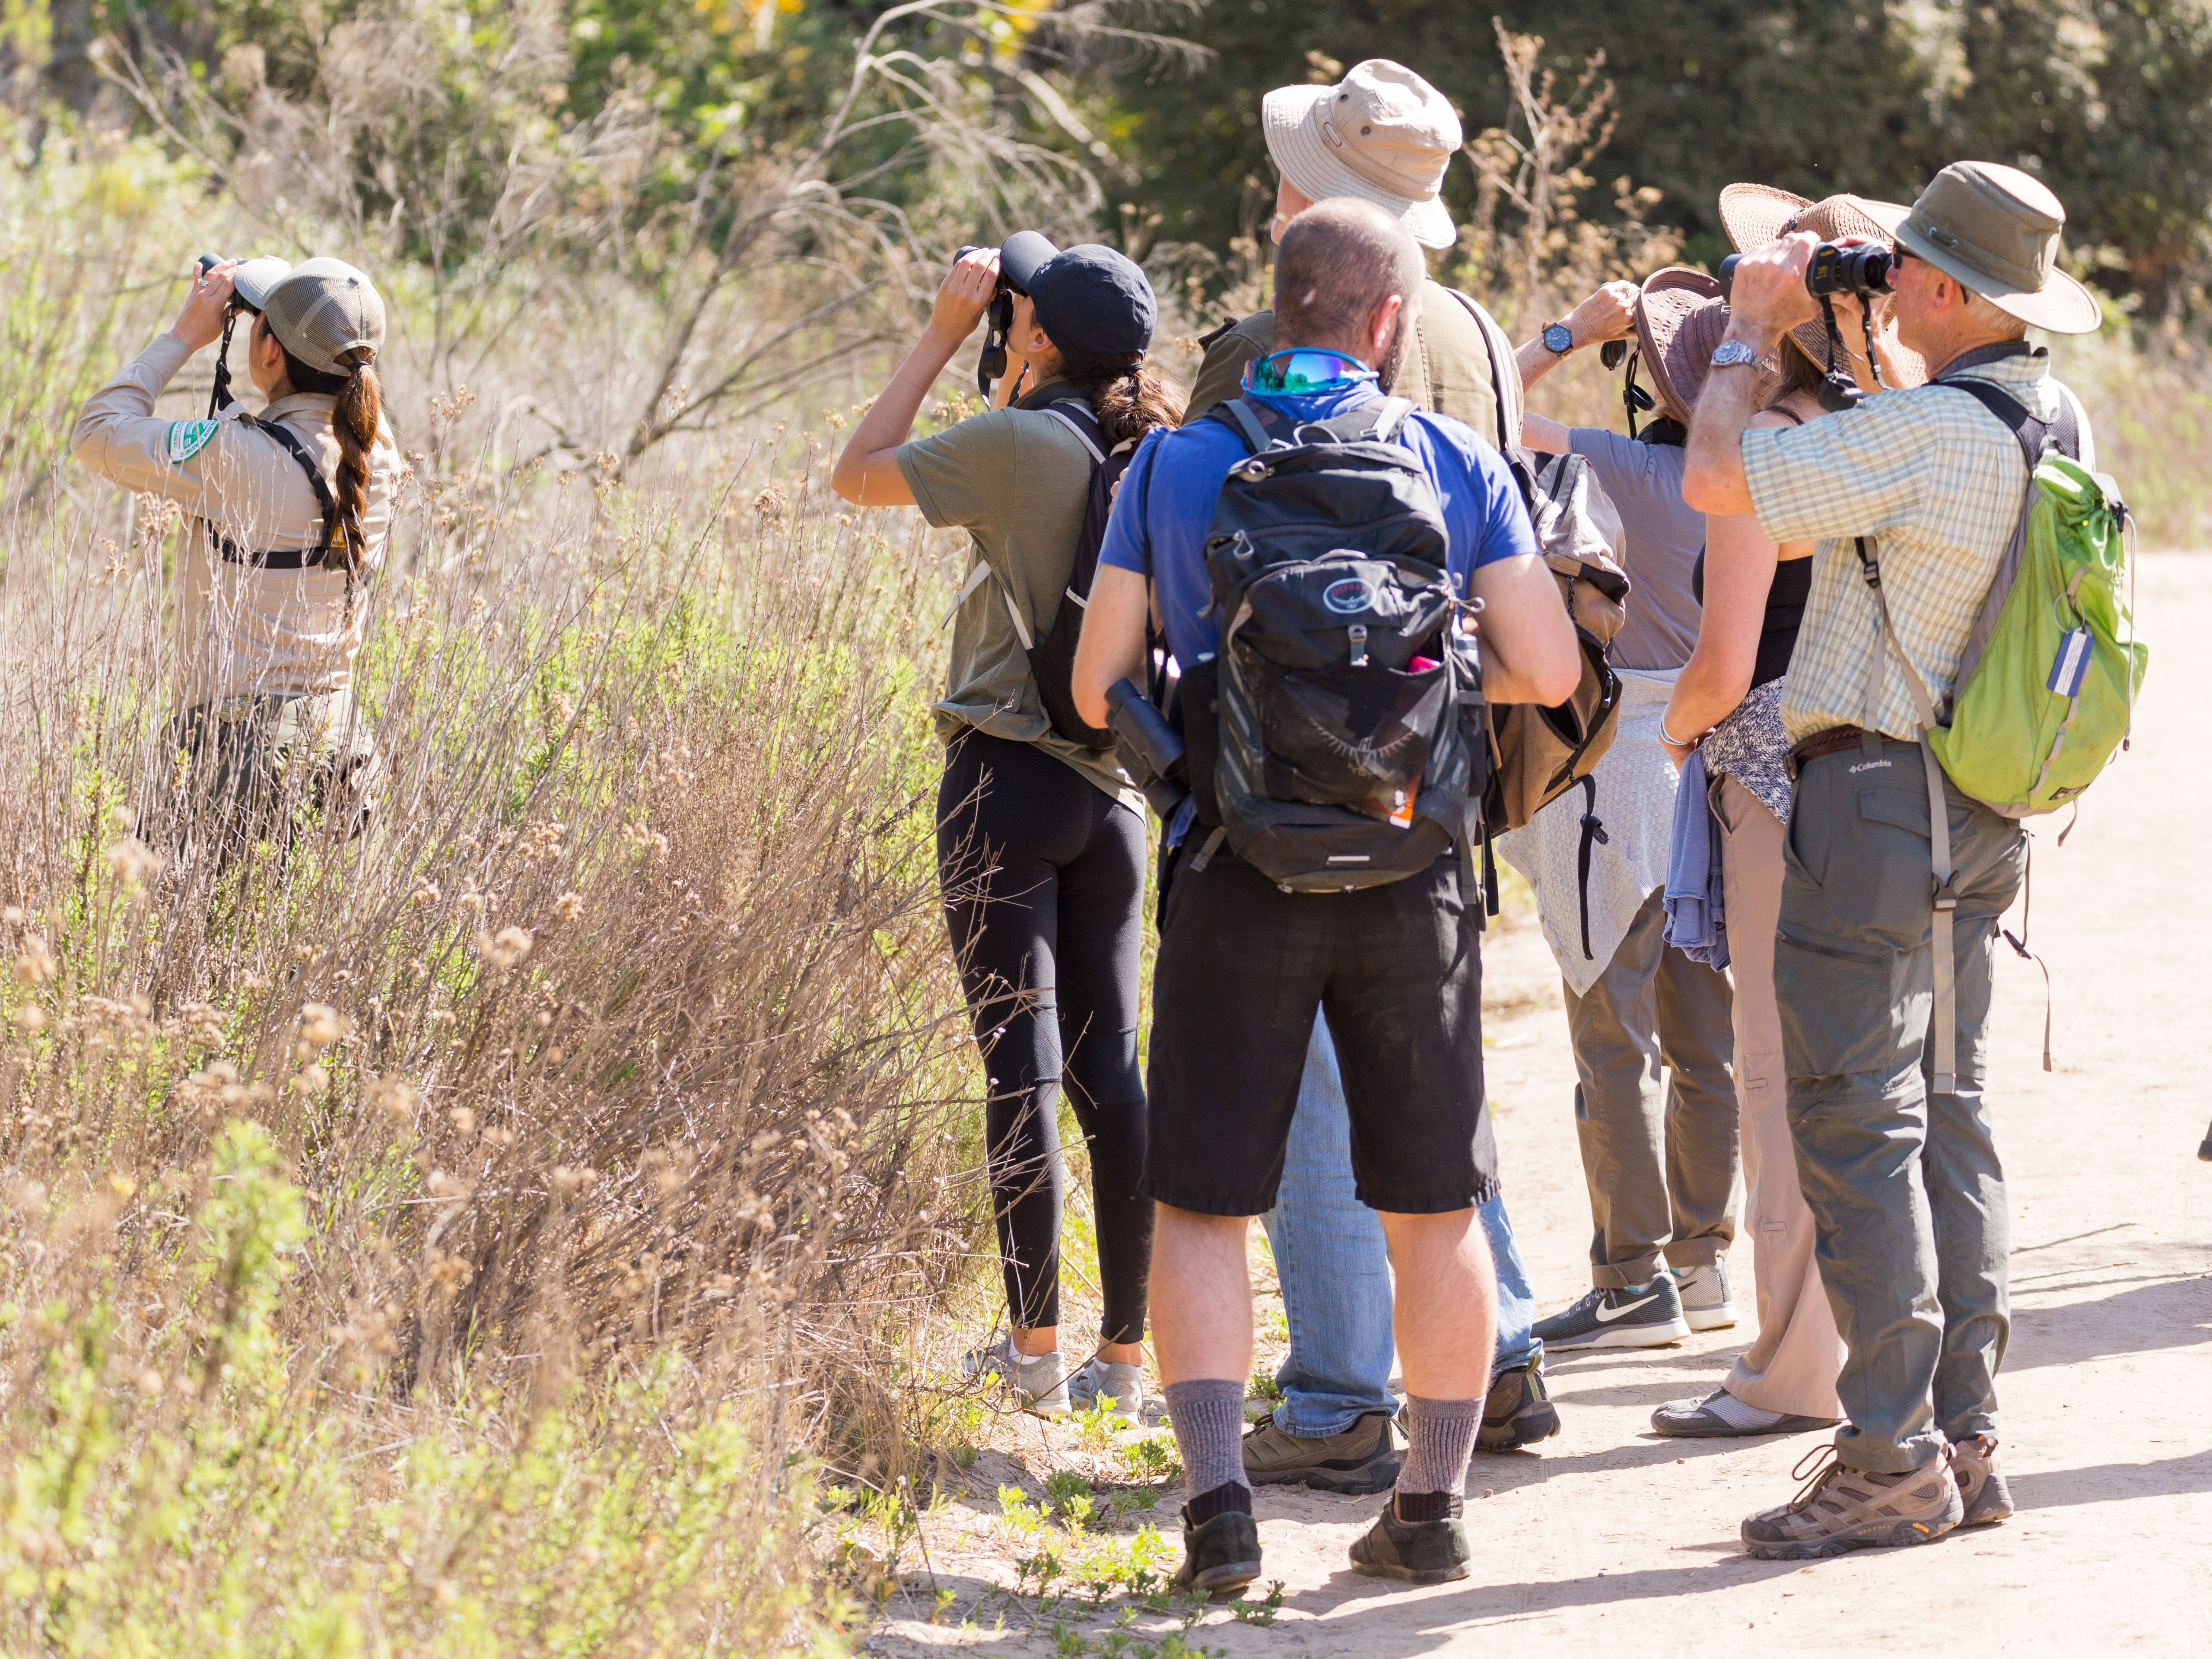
{"x": 2110, "y": 100}
{"x": 2106, "y": 99}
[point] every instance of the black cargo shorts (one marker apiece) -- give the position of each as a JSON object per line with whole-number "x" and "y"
{"x": 1243, "y": 965}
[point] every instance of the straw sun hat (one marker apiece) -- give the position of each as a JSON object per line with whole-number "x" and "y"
{"x": 1755, "y": 215}
{"x": 1679, "y": 319}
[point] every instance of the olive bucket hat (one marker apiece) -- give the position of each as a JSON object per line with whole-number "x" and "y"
{"x": 1996, "y": 229}
{"x": 324, "y": 309}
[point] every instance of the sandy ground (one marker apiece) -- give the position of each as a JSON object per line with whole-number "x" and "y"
{"x": 1611, "y": 1540}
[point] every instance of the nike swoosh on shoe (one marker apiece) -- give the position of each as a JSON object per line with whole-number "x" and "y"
{"x": 1606, "y": 1315}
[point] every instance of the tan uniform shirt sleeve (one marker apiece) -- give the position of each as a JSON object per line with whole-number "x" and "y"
{"x": 119, "y": 437}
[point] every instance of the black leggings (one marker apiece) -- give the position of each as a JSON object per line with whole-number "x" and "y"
{"x": 1044, "y": 879}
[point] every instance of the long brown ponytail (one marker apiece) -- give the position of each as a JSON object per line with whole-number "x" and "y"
{"x": 354, "y": 423}
{"x": 1130, "y": 400}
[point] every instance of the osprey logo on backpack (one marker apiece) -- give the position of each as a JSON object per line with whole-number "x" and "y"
{"x": 1349, "y": 597}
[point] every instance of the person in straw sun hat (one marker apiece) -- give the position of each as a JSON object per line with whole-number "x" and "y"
{"x": 1655, "y": 1108}
{"x": 1756, "y": 214}
{"x": 1384, "y": 135}
{"x": 1883, "y": 1043}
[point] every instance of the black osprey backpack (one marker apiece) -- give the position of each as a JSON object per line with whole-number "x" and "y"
{"x": 1346, "y": 704}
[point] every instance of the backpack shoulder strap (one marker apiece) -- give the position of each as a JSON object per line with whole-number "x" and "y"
{"x": 1246, "y": 420}
{"x": 1505, "y": 440}
{"x": 1081, "y": 422}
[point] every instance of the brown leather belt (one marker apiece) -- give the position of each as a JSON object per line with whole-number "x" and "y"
{"x": 1825, "y": 743}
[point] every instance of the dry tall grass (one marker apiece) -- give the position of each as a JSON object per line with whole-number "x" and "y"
{"x": 467, "y": 1236}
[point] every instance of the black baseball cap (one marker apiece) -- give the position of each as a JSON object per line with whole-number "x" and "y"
{"x": 1093, "y": 302}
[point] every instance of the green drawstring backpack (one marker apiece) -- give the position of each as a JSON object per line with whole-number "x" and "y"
{"x": 2050, "y": 694}
{"x": 2047, "y": 687}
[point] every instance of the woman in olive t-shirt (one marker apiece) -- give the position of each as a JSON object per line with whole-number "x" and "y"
{"x": 1040, "y": 841}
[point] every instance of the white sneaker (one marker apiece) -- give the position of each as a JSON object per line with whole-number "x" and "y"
{"x": 1037, "y": 1382}
{"x": 1707, "y": 1303}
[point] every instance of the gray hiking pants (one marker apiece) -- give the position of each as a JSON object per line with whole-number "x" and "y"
{"x": 1904, "y": 1184}
{"x": 1660, "y": 1158}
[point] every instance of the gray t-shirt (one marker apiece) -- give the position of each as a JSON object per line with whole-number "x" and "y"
{"x": 1661, "y": 539}
{"x": 1018, "y": 481}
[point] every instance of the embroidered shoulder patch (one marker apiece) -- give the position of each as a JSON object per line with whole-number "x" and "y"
{"x": 187, "y": 439}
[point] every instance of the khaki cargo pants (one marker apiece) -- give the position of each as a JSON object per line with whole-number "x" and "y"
{"x": 1904, "y": 1185}
{"x": 252, "y": 766}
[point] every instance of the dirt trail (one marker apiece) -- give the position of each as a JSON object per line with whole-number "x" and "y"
{"x": 1612, "y": 1539}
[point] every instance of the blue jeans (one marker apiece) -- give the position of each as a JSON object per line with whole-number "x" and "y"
{"x": 1334, "y": 1269}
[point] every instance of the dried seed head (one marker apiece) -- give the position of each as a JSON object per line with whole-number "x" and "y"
{"x": 569, "y": 906}
{"x": 310, "y": 1080}
{"x": 321, "y": 1025}
{"x": 462, "y": 1119}
{"x": 507, "y": 947}
{"x": 133, "y": 862}
{"x": 36, "y": 963}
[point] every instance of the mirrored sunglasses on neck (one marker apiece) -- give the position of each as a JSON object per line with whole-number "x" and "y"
{"x": 1301, "y": 369}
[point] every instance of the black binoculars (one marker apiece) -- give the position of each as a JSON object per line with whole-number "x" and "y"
{"x": 998, "y": 323}
{"x": 1151, "y": 750}
{"x": 1863, "y": 268}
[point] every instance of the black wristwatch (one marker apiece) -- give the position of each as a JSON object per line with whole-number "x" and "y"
{"x": 1558, "y": 337}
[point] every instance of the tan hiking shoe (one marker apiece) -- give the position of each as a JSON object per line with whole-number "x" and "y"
{"x": 1841, "y": 1509}
{"x": 1981, "y": 1480}
{"x": 1360, "y": 1459}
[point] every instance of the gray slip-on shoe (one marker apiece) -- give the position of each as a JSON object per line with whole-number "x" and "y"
{"x": 1720, "y": 1416}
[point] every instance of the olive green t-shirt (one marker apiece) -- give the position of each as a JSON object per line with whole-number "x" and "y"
{"x": 1018, "y": 482}
{"x": 1457, "y": 358}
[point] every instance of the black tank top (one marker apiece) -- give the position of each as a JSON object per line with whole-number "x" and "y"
{"x": 1785, "y": 606}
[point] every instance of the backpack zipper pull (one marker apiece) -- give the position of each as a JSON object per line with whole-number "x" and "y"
{"x": 1358, "y": 634}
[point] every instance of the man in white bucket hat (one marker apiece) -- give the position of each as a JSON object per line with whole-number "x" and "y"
{"x": 1881, "y": 965}
{"x": 1383, "y": 135}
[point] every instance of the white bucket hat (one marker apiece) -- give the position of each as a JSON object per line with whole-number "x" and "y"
{"x": 1381, "y": 134}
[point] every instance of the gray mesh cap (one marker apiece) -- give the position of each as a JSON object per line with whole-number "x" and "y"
{"x": 322, "y": 310}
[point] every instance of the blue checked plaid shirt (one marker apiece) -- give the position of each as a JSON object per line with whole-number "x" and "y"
{"x": 1936, "y": 481}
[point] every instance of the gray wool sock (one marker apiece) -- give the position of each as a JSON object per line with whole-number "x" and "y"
{"x": 1439, "y": 1441}
{"x": 1208, "y": 1415}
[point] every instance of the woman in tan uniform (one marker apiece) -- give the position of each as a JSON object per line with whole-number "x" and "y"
{"x": 1728, "y": 703}
{"x": 289, "y": 513}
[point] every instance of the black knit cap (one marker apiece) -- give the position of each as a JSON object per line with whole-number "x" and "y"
{"x": 1093, "y": 302}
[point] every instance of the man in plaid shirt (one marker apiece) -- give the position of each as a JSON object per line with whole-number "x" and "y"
{"x": 1894, "y": 1149}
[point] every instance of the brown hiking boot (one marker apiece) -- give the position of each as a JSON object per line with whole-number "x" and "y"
{"x": 1841, "y": 1509}
{"x": 1360, "y": 1459}
{"x": 1981, "y": 1480}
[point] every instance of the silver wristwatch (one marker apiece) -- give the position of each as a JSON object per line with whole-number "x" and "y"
{"x": 1735, "y": 351}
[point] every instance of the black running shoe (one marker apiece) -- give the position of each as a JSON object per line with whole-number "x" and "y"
{"x": 1518, "y": 1413}
{"x": 1416, "y": 1552}
{"x": 1220, "y": 1556}
{"x": 1647, "y": 1316}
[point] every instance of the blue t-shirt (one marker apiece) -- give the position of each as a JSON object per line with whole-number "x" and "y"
{"x": 1165, "y": 505}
